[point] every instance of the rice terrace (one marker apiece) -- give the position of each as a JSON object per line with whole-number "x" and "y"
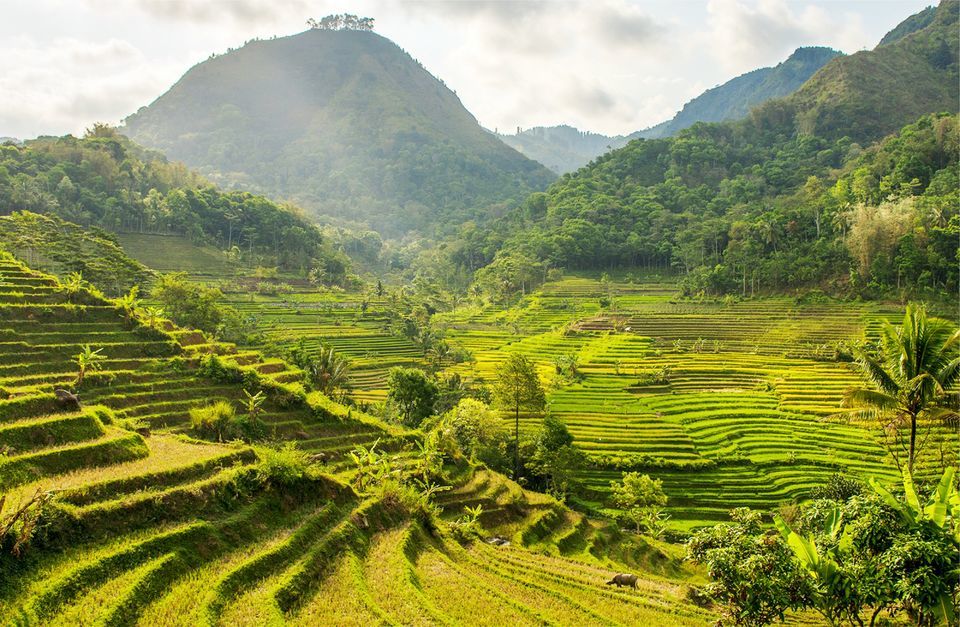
{"x": 302, "y": 342}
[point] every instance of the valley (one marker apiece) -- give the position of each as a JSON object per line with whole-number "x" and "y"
{"x": 300, "y": 341}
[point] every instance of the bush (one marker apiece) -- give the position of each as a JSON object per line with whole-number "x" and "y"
{"x": 213, "y": 420}
{"x": 286, "y": 465}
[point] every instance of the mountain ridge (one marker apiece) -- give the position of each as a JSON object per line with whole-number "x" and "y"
{"x": 344, "y": 123}
{"x": 563, "y": 151}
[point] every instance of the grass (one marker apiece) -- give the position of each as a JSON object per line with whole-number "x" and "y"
{"x": 160, "y": 528}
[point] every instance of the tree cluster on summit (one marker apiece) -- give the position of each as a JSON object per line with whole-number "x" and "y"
{"x": 341, "y": 21}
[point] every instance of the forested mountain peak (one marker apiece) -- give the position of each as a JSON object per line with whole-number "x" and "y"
{"x": 734, "y": 99}
{"x": 345, "y": 123}
{"x": 872, "y": 93}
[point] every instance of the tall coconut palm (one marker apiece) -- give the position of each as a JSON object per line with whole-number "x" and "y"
{"x": 912, "y": 377}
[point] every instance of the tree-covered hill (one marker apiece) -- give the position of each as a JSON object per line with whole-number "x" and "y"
{"x": 912, "y": 24}
{"x": 565, "y": 149}
{"x": 872, "y": 93}
{"x": 344, "y": 123}
{"x": 734, "y": 99}
{"x": 105, "y": 180}
{"x": 62, "y": 248}
{"x": 562, "y": 148}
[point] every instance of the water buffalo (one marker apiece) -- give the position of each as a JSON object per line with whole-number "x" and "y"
{"x": 624, "y": 579}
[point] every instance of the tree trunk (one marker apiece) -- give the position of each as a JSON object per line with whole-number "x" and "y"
{"x": 516, "y": 444}
{"x": 913, "y": 444}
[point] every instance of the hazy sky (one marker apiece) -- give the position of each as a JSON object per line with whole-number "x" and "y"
{"x": 611, "y": 66}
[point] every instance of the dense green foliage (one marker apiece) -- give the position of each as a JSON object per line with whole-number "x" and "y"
{"x": 195, "y": 305}
{"x": 736, "y": 216}
{"x": 61, "y": 247}
{"x": 864, "y": 554}
{"x": 783, "y": 199}
{"x": 375, "y": 138}
{"x": 105, "y": 180}
{"x": 753, "y": 576}
{"x": 414, "y": 393}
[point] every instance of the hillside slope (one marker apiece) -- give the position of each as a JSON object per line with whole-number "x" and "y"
{"x": 769, "y": 202}
{"x": 565, "y": 149}
{"x": 141, "y": 522}
{"x": 105, "y": 180}
{"x": 872, "y": 93}
{"x": 344, "y": 123}
{"x": 734, "y": 99}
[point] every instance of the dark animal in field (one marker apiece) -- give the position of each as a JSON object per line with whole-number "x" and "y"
{"x": 67, "y": 399}
{"x": 624, "y": 579}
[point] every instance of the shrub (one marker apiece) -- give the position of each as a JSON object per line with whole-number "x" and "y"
{"x": 285, "y": 465}
{"x": 213, "y": 420}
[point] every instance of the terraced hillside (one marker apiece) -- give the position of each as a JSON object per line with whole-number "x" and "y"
{"x": 355, "y": 325}
{"x": 730, "y": 403}
{"x": 744, "y": 414}
{"x": 150, "y": 526}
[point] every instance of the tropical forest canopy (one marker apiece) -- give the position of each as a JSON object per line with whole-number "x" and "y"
{"x": 104, "y": 180}
{"x": 791, "y": 196}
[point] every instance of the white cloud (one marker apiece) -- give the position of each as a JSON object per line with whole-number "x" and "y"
{"x": 66, "y": 86}
{"x": 746, "y": 35}
{"x": 610, "y": 66}
{"x": 214, "y": 11}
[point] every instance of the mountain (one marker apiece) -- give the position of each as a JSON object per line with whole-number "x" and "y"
{"x": 734, "y": 99}
{"x": 776, "y": 201}
{"x": 344, "y": 123}
{"x": 910, "y": 25}
{"x": 875, "y": 92}
{"x": 565, "y": 149}
{"x": 562, "y": 148}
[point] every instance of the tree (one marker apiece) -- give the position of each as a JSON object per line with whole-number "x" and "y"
{"x": 129, "y": 301}
{"x": 518, "y": 387}
{"x": 328, "y": 371}
{"x": 555, "y": 458}
{"x": 414, "y": 393}
{"x": 253, "y": 403}
{"x": 640, "y": 498}
{"x": 882, "y": 552}
{"x": 473, "y": 425}
{"x": 88, "y": 360}
{"x": 753, "y": 574}
{"x": 911, "y": 378}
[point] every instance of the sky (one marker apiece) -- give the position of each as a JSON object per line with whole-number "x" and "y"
{"x": 608, "y": 66}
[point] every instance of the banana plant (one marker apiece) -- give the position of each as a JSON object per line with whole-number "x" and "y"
{"x": 838, "y": 595}
{"x": 940, "y": 510}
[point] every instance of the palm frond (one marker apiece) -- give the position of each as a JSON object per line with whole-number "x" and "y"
{"x": 876, "y": 373}
{"x": 861, "y": 398}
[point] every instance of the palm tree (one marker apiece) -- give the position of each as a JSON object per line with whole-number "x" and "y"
{"x": 88, "y": 360}
{"x": 913, "y": 375}
{"x": 329, "y": 371}
{"x": 152, "y": 316}
{"x": 73, "y": 284}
